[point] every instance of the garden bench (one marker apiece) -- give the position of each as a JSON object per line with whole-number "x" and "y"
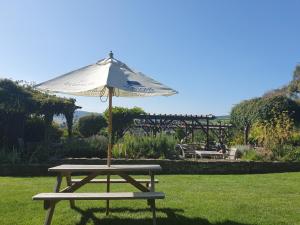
{"x": 50, "y": 199}
{"x": 232, "y": 154}
{"x": 186, "y": 150}
{"x": 210, "y": 154}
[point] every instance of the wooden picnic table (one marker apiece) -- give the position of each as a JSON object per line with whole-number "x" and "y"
{"x": 146, "y": 187}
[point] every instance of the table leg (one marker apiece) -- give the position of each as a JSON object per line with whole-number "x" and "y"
{"x": 51, "y": 208}
{"x": 69, "y": 183}
{"x": 107, "y": 190}
{"x": 151, "y": 186}
{"x": 152, "y": 182}
{"x": 153, "y": 209}
{"x": 152, "y": 202}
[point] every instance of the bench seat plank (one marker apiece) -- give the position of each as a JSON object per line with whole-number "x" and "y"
{"x": 104, "y": 181}
{"x": 99, "y": 196}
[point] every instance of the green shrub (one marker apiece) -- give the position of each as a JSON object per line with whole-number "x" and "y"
{"x": 95, "y": 146}
{"x": 246, "y": 152}
{"x": 10, "y": 156}
{"x": 34, "y": 129}
{"x": 55, "y": 133}
{"x": 241, "y": 149}
{"x": 99, "y": 143}
{"x": 161, "y": 146}
{"x": 39, "y": 153}
{"x": 280, "y": 151}
{"x": 295, "y": 139}
{"x": 179, "y": 133}
{"x": 251, "y": 155}
{"x": 91, "y": 124}
{"x": 293, "y": 155}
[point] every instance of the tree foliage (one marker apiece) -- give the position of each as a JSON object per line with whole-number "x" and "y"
{"x": 91, "y": 124}
{"x": 268, "y": 108}
{"x": 274, "y": 132}
{"x": 179, "y": 133}
{"x": 294, "y": 85}
{"x": 262, "y": 110}
{"x": 15, "y": 99}
{"x": 19, "y": 102}
{"x": 245, "y": 113}
{"x": 291, "y": 90}
{"x": 243, "y": 116}
{"x": 122, "y": 118}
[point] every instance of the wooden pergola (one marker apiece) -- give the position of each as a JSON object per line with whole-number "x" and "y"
{"x": 208, "y": 124}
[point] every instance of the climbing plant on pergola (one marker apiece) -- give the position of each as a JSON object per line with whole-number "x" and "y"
{"x": 19, "y": 101}
{"x": 50, "y": 105}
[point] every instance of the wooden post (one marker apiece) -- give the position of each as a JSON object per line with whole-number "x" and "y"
{"x": 110, "y": 94}
{"x": 107, "y": 190}
{"x": 186, "y": 133}
{"x": 192, "y": 131}
{"x": 152, "y": 201}
{"x": 207, "y": 134}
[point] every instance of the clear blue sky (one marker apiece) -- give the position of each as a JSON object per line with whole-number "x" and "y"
{"x": 215, "y": 53}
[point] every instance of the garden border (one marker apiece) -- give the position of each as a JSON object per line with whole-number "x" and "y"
{"x": 169, "y": 166}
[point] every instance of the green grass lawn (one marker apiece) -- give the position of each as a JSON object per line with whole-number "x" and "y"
{"x": 268, "y": 199}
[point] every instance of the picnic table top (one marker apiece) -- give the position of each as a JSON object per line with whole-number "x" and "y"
{"x": 99, "y": 168}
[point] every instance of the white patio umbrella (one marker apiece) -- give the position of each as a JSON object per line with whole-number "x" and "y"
{"x": 108, "y": 77}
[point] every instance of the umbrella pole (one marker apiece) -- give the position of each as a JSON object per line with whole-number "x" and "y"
{"x": 110, "y": 94}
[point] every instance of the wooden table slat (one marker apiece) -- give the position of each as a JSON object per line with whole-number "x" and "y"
{"x": 104, "y": 168}
{"x": 103, "y": 181}
{"x": 99, "y": 196}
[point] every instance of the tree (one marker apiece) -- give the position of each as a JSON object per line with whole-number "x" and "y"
{"x": 264, "y": 109}
{"x": 269, "y": 107}
{"x": 275, "y": 132}
{"x": 122, "y": 118}
{"x": 294, "y": 85}
{"x": 243, "y": 115}
{"x": 91, "y": 124}
{"x": 16, "y": 104}
{"x": 291, "y": 90}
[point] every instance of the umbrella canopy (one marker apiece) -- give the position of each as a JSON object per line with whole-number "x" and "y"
{"x": 108, "y": 77}
{"x": 94, "y": 80}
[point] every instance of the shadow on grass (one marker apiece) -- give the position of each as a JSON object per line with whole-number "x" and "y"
{"x": 173, "y": 218}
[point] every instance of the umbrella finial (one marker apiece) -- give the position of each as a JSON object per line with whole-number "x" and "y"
{"x": 111, "y": 55}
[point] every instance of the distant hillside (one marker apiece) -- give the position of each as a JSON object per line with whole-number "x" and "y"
{"x": 226, "y": 117}
{"x": 78, "y": 113}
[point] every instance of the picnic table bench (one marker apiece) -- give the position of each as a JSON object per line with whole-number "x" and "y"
{"x": 115, "y": 181}
{"x": 146, "y": 192}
